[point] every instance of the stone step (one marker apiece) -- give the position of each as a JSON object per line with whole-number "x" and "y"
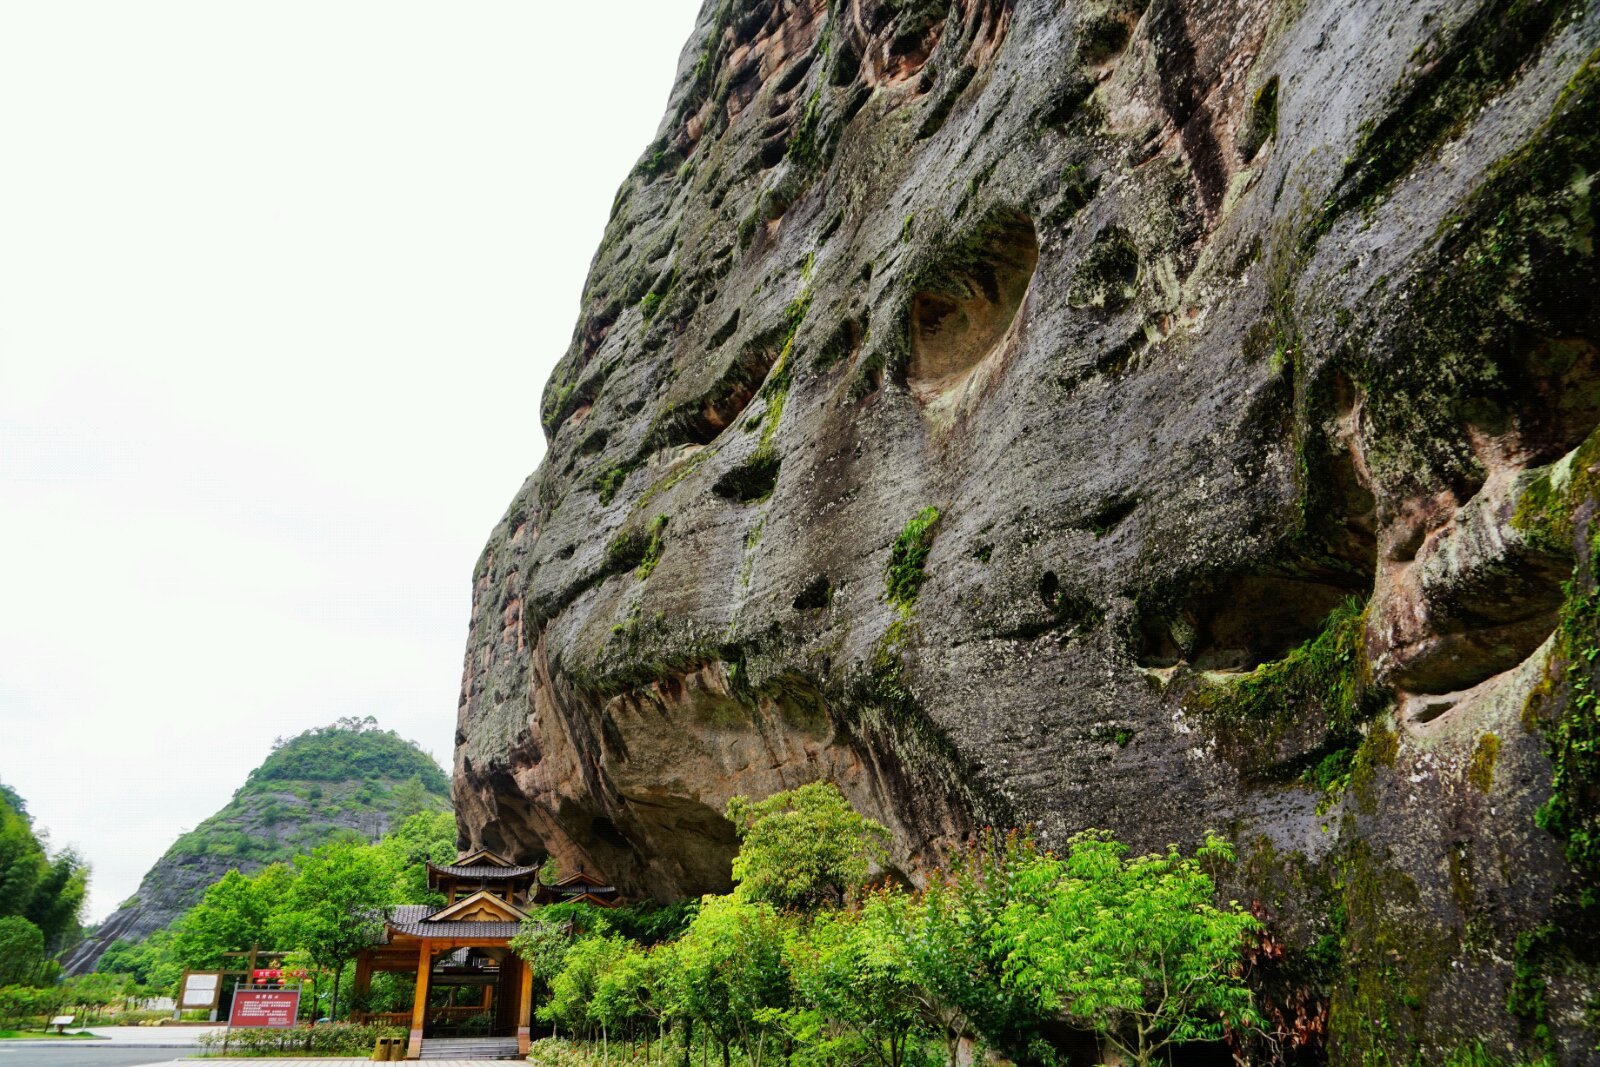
{"x": 469, "y": 1048}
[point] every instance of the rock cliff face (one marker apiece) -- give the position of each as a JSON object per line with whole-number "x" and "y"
{"x": 350, "y": 778}
{"x": 1148, "y": 415}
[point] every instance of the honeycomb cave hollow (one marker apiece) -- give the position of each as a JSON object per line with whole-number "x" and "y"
{"x": 964, "y": 314}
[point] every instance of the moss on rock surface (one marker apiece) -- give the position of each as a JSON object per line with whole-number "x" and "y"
{"x": 1322, "y": 691}
{"x": 908, "y": 559}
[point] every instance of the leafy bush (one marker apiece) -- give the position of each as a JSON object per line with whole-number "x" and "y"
{"x": 19, "y": 1003}
{"x": 798, "y": 966}
{"x": 559, "y": 1052}
{"x": 22, "y": 958}
{"x": 326, "y": 1039}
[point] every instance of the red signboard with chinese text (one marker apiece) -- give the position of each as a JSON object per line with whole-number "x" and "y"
{"x": 267, "y": 977}
{"x": 254, "y": 1007}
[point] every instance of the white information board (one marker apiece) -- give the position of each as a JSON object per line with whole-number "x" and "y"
{"x": 200, "y": 990}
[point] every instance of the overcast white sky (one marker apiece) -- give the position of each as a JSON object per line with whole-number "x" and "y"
{"x": 280, "y": 284}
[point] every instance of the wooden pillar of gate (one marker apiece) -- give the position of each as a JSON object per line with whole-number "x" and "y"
{"x": 524, "y": 1008}
{"x": 419, "y": 1005}
{"x": 364, "y": 976}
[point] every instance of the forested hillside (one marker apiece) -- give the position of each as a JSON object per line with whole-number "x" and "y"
{"x": 348, "y": 779}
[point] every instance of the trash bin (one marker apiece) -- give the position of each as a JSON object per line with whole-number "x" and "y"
{"x": 383, "y": 1050}
{"x": 398, "y": 1047}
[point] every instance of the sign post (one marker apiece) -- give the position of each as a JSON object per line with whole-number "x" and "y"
{"x": 263, "y": 1005}
{"x": 201, "y": 989}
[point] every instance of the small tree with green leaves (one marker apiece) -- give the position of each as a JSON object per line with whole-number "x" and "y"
{"x": 237, "y": 911}
{"x": 856, "y": 970}
{"x": 543, "y": 941}
{"x": 572, "y": 991}
{"x": 727, "y": 973}
{"x": 1133, "y": 948}
{"x": 22, "y": 957}
{"x": 629, "y": 994}
{"x": 804, "y": 848}
{"x": 952, "y": 935}
{"x": 335, "y": 906}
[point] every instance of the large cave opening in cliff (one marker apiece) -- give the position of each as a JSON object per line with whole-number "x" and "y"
{"x": 967, "y": 304}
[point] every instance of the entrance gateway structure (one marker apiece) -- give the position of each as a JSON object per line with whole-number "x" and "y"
{"x": 464, "y": 946}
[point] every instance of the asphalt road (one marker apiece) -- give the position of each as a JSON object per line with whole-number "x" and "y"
{"x": 84, "y": 1054}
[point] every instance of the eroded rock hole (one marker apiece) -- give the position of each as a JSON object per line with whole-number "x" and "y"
{"x": 1109, "y": 275}
{"x": 841, "y": 346}
{"x": 1104, "y": 29}
{"x": 1262, "y": 124}
{"x": 751, "y": 481}
{"x": 1240, "y": 623}
{"x": 968, "y": 303}
{"x": 606, "y": 830}
{"x": 699, "y": 421}
{"x": 1108, "y": 516}
{"x": 892, "y": 38}
{"x": 815, "y": 595}
{"x": 1556, "y": 382}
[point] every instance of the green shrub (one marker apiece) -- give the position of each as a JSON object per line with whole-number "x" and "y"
{"x": 326, "y": 1039}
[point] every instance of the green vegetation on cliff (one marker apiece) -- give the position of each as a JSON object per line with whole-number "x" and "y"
{"x": 348, "y": 749}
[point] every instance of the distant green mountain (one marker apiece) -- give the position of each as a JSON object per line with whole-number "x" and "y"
{"x": 350, "y": 778}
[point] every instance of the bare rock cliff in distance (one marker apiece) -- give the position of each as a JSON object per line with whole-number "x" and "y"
{"x": 1157, "y": 415}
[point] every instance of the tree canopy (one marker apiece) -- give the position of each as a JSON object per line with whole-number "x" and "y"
{"x": 349, "y": 749}
{"x": 1134, "y": 948}
{"x": 45, "y": 889}
{"x": 235, "y": 913}
{"x": 803, "y": 848}
{"x": 335, "y": 905}
{"x": 1007, "y": 942}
